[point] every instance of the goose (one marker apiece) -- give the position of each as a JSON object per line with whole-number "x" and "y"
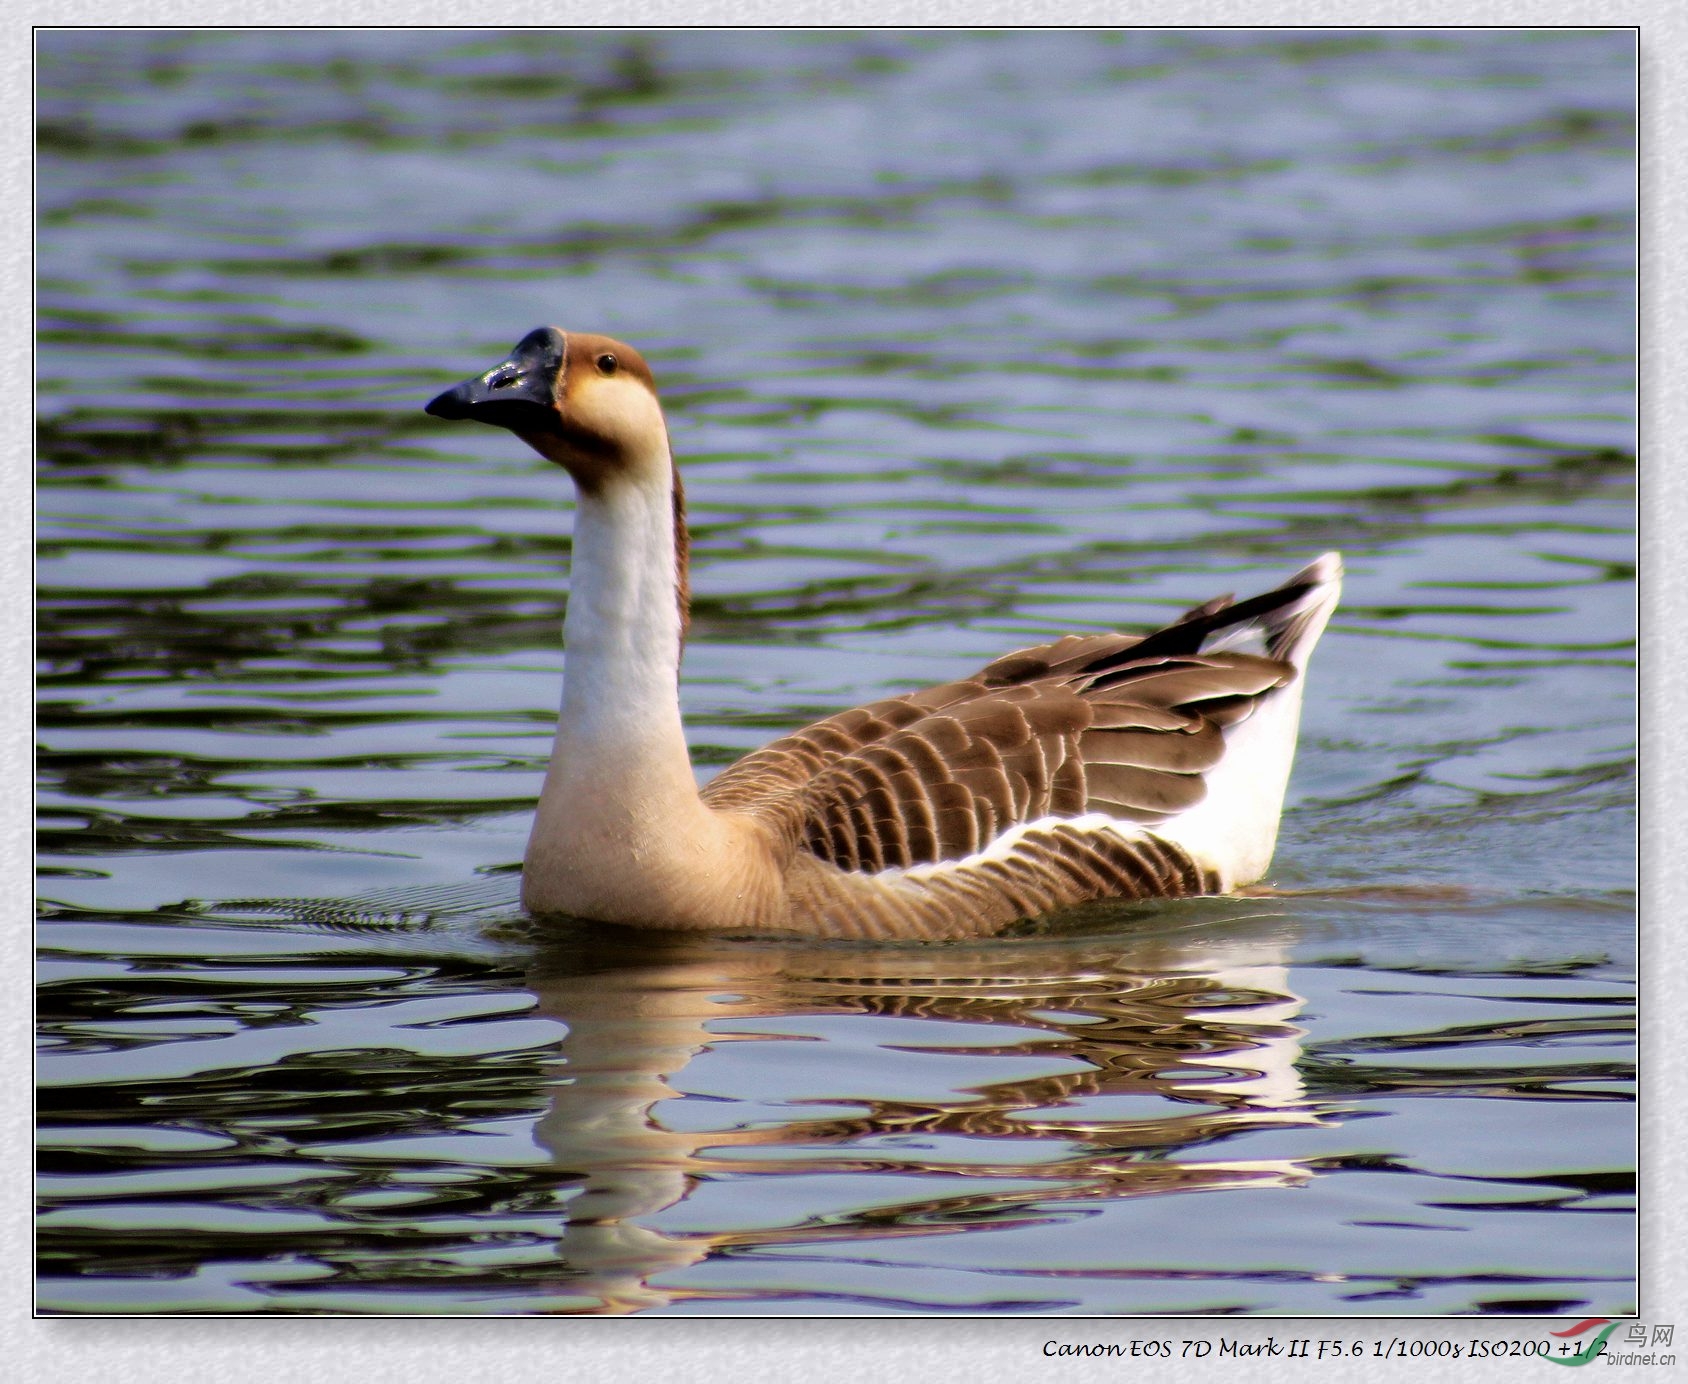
{"x": 1098, "y": 766}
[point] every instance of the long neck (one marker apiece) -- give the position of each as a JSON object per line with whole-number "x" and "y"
{"x": 623, "y": 636}
{"x": 621, "y": 833}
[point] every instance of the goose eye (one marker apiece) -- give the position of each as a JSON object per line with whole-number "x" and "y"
{"x": 606, "y": 364}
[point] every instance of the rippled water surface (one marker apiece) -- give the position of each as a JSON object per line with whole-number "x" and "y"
{"x": 967, "y": 340}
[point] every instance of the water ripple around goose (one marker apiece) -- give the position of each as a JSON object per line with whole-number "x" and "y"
{"x": 967, "y": 339}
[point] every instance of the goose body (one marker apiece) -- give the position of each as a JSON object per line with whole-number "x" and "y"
{"x": 1097, "y": 766}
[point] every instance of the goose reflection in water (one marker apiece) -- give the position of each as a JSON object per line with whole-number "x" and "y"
{"x": 1117, "y": 1062}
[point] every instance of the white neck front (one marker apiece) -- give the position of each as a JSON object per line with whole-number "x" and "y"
{"x": 621, "y": 833}
{"x": 622, "y": 634}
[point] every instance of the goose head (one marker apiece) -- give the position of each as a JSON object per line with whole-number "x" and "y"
{"x": 586, "y": 402}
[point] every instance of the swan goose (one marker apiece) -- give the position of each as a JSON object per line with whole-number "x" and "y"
{"x": 1097, "y": 766}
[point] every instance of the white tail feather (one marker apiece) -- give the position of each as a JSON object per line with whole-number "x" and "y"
{"x": 1234, "y": 829}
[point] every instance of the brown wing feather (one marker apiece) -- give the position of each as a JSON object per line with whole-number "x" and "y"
{"x": 1054, "y": 731}
{"x": 1048, "y": 867}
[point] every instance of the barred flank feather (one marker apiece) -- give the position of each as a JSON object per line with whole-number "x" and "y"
{"x": 1095, "y": 742}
